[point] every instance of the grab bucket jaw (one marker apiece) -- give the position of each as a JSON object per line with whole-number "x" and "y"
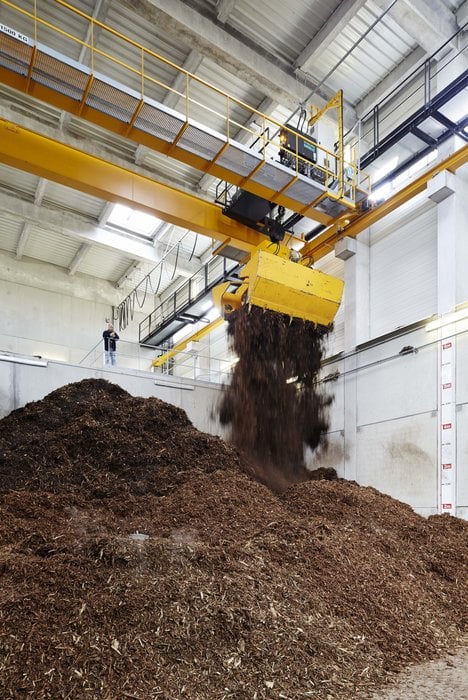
{"x": 274, "y": 282}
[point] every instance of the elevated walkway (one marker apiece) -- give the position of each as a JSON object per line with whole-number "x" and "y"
{"x": 51, "y": 76}
{"x": 187, "y": 305}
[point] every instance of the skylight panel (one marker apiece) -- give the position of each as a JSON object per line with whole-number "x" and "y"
{"x": 133, "y": 220}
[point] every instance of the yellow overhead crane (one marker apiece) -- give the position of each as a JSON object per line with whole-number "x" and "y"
{"x": 279, "y": 279}
{"x": 275, "y": 276}
{"x": 278, "y": 290}
{"x": 129, "y": 105}
{"x": 275, "y": 281}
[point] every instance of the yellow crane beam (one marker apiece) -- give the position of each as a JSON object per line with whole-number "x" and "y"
{"x": 324, "y": 242}
{"x": 31, "y": 152}
{"x": 130, "y": 109}
{"x": 46, "y": 157}
{"x": 180, "y": 347}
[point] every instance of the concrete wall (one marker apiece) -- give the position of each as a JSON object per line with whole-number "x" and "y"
{"x": 396, "y": 423}
{"x": 47, "y": 312}
{"x": 384, "y": 420}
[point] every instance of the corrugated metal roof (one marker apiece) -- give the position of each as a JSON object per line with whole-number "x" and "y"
{"x": 10, "y": 230}
{"x": 123, "y": 148}
{"x": 282, "y": 29}
{"x": 18, "y": 181}
{"x": 105, "y": 263}
{"x": 51, "y": 246}
{"x": 122, "y": 17}
{"x": 212, "y": 109}
{"x": 72, "y": 200}
{"x": 355, "y": 65}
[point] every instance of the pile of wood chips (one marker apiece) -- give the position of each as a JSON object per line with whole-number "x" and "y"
{"x": 140, "y": 560}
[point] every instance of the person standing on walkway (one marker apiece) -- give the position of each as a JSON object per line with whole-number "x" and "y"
{"x": 110, "y": 347}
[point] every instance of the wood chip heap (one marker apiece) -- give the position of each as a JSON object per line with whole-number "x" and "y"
{"x": 140, "y": 560}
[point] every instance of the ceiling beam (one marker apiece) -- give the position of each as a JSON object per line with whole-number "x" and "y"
{"x": 101, "y": 8}
{"x": 462, "y": 14}
{"x": 40, "y": 191}
{"x": 266, "y": 75}
{"x": 105, "y": 213}
{"x": 224, "y": 9}
{"x": 79, "y": 257}
{"x": 191, "y": 65}
{"x": 429, "y": 22}
{"x": 23, "y": 239}
{"x": 128, "y": 272}
{"x": 140, "y": 154}
{"x": 161, "y": 230}
{"x": 402, "y": 71}
{"x": 99, "y": 12}
{"x": 327, "y": 34}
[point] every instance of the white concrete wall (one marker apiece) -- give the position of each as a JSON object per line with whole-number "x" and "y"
{"x": 47, "y": 312}
{"x": 387, "y": 426}
{"x": 384, "y": 420}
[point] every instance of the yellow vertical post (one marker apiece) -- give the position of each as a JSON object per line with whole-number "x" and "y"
{"x": 35, "y": 22}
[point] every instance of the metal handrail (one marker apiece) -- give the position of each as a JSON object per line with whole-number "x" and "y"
{"x": 182, "y": 298}
{"x": 374, "y": 116}
{"x": 216, "y": 368}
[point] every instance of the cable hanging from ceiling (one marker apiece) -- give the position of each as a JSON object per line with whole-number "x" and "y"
{"x": 125, "y": 311}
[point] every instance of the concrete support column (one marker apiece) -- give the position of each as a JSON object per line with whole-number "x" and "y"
{"x": 203, "y": 367}
{"x": 442, "y": 189}
{"x": 356, "y": 323}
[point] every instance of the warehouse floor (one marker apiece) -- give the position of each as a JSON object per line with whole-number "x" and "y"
{"x": 438, "y": 680}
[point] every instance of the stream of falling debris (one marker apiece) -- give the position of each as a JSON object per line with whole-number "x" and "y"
{"x": 274, "y": 404}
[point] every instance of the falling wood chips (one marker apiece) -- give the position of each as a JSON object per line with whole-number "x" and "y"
{"x": 322, "y": 591}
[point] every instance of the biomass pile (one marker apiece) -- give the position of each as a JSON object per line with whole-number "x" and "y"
{"x": 274, "y": 404}
{"x": 139, "y": 560}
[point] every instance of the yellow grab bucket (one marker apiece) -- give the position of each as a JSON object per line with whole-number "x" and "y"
{"x": 274, "y": 282}
{"x": 278, "y": 284}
